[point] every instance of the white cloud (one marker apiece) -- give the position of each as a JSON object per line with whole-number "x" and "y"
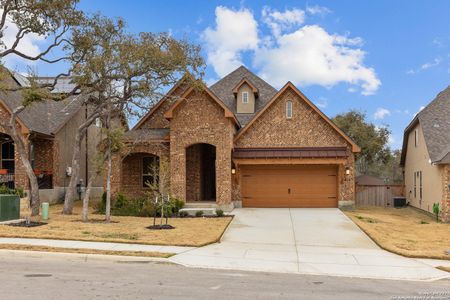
{"x": 280, "y": 21}
{"x": 310, "y": 56}
{"x": 381, "y": 113}
{"x": 322, "y": 103}
{"x": 303, "y": 54}
{"x": 317, "y": 10}
{"x": 28, "y": 44}
{"x": 235, "y": 31}
{"x": 436, "y": 62}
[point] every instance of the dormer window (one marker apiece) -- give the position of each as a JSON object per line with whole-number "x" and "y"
{"x": 289, "y": 109}
{"x": 245, "y": 97}
{"x": 245, "y": 94}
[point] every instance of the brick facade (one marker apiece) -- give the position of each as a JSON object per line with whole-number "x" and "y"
{"x": 445, "y": 203}
{"x": 127, "y": 167}
{"x": 200, "y": 120}
{"x": 306, "y": 128}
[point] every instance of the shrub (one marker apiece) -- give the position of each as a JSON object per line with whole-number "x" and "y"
{"x": 120, "y": 201}
{"x": 17, "y": 191}
{"x": 424, "y": 222}
{"x": 183, "y": 214}
{"x": 199, "y": 213}
{"x": 436, "y": 211}
{"x": 219, "y": 213}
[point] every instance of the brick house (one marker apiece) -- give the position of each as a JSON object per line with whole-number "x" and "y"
{"x": 238, "y": 143}
{"x": 426, "y": 157}
{"x": 48, "y": 128}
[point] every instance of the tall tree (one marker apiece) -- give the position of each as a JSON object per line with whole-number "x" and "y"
{"x": 125, "y": 73}
{"x": 373, "y": 140}
{"x": 52, "y": 19}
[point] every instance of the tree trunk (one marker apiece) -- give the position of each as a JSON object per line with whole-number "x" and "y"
{"x": 108, "y": 186}
{"x": 34, "y": 186}
{"x": 24, "y": 157}
{"x": 86, "y": 198}
{"x": 108, "y": 176}
{"x": 71, "y": 189}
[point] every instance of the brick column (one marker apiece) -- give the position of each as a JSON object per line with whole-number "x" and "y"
{"x": 445, "y": 203}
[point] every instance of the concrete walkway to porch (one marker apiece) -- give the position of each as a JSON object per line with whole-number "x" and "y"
{"x": 303, "y": 241}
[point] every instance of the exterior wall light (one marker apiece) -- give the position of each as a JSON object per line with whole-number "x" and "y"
{"x": 347, "y": 171}
{"x": 233, "y": 171}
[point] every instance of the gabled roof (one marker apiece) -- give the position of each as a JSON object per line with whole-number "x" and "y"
{"x": 245, "y": 81}
{"x": 227, "y": 112}
{"x": 45, "y": 117}
{"x": 355, "y": 148}
{"x": 160, "y": 102}
{"x": 435, "y": 122}
{"x": 223, "y": 89}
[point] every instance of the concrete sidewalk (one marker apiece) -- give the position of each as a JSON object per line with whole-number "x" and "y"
{"x": 95, "y": 245}
{"x": 304, "y": 241}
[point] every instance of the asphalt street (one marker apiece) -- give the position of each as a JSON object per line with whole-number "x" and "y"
{"x": 27, "y": 275}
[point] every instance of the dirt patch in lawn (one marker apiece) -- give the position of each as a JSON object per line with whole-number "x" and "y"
{"x": 187, "y": 232}
{"x": 83, "y": 251}
{"x": 405, "y": 231}
{"x": 446, "y": 269}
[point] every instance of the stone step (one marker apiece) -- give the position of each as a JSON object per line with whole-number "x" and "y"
{"x": 200, "y": 204}
{"x": 207, "y": 211}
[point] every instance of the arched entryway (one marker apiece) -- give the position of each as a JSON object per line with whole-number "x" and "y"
{"x": 201, "y": 172}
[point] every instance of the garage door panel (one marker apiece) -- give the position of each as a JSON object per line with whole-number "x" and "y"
{"x": 289, "y": 186}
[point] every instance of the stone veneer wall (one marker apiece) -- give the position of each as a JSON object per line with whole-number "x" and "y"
{"x": 127, "y": 167}
{"x": 200, "y": 120}
{"x": 157, "y": 119}
{"x": 306, "y": 128}
{"x": 445, "y": 203}
{"x": 43, "y": 154}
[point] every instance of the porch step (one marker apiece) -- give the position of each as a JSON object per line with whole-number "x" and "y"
{"x": 206, "y": 211}
{"x": 200, "y": 204}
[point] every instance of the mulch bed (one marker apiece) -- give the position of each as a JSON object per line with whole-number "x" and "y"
{"x": 160, "y": 227}
{"x": 27, "y": 224}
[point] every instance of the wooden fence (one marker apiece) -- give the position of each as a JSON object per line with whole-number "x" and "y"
{"x": 378, "y": 195}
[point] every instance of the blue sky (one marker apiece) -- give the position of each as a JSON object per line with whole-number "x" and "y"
{"x": 387, "y": 58}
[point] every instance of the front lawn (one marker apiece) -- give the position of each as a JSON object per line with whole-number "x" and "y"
{"x": 405, "y": 231}
{"x": 188, "y": 231}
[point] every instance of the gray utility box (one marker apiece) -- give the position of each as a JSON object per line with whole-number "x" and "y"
{"x": 9, "y": 207}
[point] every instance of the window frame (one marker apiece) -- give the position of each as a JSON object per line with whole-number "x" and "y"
{"x": 245, "y": 99}
{"x": 415, "y": 184}
{"x": 420, "y": 185}
{"x": 289, "y": 109}
{"x": 149, "y": 176}
{"x": 416, "y": 138}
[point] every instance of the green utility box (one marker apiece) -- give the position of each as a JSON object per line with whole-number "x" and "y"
{"x": 9, "y": 207}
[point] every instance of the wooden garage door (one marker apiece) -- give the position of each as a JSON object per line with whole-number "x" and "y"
{"x": 289, "y": 186}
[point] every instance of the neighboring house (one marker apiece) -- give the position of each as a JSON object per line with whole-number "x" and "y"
{"x": 237, "y": 143}
{"x": 426, "y": 156}
{"x": 48, "y": 129}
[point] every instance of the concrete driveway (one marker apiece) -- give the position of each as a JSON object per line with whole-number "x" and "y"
{"x": 303, "y": 241}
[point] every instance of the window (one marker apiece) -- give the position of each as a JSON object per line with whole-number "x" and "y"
{"x": 289, "y": 109}
{"x": 415, "y": 185}
{"x": 7, "y": 161}
{"x": 244, "y": 97}
{"x": 416, "y": 138}
{"x": 420, "y": 185}
{"x": 150, "y": 170}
